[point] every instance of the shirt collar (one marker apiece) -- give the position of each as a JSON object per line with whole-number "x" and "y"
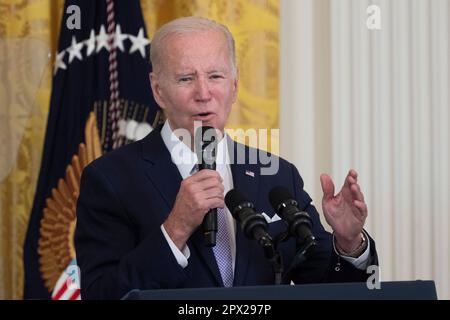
{"x": 184, "y": 158}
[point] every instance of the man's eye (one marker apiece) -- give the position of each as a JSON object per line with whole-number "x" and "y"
{"x": 184, "y": 79}
{"x": 216, "y": 76}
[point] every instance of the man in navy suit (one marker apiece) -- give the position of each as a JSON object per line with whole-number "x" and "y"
{"x": 140, "y": 207}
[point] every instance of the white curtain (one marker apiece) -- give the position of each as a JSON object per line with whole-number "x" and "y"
{"x": 377, "y": 101}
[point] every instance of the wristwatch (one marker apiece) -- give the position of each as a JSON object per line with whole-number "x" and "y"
{"x": 355, "y": 253}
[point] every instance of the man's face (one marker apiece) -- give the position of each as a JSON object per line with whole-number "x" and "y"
{"x": 196, "y": 81}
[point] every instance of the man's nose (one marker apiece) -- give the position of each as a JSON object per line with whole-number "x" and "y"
{"x": 203, "y": 92}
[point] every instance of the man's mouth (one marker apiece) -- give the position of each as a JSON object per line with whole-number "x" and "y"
{"x": 203, "y": 116}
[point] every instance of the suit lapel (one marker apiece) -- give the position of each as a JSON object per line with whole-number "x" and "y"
{"x": 165, "y": 177}
{"x": 245, "y": 179}
{"x": 159, "y": 167}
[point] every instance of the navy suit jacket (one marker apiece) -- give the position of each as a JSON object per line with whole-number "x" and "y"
{"x": 127, "y": 194}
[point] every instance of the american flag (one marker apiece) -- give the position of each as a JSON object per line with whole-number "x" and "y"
{"x": 101, "y": 67}
{"x": 68, "y": 285}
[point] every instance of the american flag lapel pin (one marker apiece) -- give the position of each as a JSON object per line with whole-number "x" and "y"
{"x": 250, "y": 173}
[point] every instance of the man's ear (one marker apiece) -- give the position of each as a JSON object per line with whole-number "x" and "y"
{"x": 235, "y": 85}
{"x": 156, "y": 89}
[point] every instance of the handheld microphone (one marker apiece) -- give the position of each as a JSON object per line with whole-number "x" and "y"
{"x": 205, "y": 146}
{"x": 253, "y": 224}
{"x": 299, "y": 222}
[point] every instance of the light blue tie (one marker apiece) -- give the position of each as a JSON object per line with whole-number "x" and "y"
{"x": 222, "y": 249}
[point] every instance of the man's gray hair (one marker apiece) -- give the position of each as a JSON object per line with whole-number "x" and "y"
{"x": 188, "y": 25}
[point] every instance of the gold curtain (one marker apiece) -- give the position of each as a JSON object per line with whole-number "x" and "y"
{"x": 28, "y": 33}
{"x": 28, "y": 39}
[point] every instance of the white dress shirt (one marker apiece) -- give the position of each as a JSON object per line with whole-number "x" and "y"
{"x": 185, "y": 159}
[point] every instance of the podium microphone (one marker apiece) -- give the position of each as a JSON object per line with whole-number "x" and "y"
{"x": 299, "y": 222}
{"x": 253, "y": 224}
{"x": 205, "y": 146}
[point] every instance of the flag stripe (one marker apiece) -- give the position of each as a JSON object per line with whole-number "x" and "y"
{"x": 113, "y": 79}
{"x": 75, "y": 295}
{"x": 60, "y": 292}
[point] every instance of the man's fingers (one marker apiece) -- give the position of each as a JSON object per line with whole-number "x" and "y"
{"x": 208, "y": 184}
{"x": 213, "y": 203}
{"x": 352, "y": 183}
{"x": 205, "y": 200}
{"x": 356, "y": 192}
{"x": 353, "y": 174}
{"x": 327, "y": 186}
{"x": 214, "y": 192}
{"x": 204, "y": 175}
{"x": 351, "y": 180}
{"x": 362, "y": 207}
{"x": 203, "y": 181}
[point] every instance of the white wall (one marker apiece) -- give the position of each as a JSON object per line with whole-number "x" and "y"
{"x": 376, "y": 101}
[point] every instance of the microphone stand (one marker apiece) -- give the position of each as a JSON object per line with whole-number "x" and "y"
{"x": 273, "y": 255}
{"x": 299, "y": 258}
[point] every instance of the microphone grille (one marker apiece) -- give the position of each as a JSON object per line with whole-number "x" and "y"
{"x": 278, "y": 195}
{"x": 206, "y": 147}
{"x": 234, "y": 198}
{"x": 204, "y": 136}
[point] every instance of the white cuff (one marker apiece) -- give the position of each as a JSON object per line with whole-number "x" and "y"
{"x": 181, "y": 256}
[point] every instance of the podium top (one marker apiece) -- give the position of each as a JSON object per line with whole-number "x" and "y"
{"x": 397, "y": 290}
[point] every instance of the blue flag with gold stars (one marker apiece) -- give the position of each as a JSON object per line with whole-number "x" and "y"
{"x": 101, "y": 99}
